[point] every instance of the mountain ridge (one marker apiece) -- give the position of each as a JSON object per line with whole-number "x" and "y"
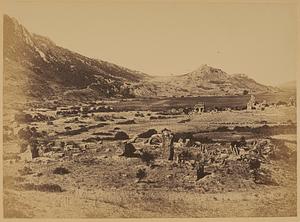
{"x": 35, "y": 67}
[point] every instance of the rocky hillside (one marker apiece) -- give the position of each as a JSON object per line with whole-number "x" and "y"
{"x": 35, "y": 68}
{"x": 207, "y": 80}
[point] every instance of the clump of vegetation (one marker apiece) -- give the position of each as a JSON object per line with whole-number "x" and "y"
{"x": 61, "y": 170}
{"x": 23, "y": 117}
{"x": 263, "y": 176}
{"x": 100, "y": 118}
{"x": 160, "y": 117}
{"x": 254, "y": 164}
{"x": 138, "y": 114}
{"x": 141, "y": 174}
{"x": 204, "y": 140}
{"x": 280, "y": 103}
{"x": 102, "y": 134}
{"x": 222, "y": 129}
{"x": 184, "y": 121}
{"x": 127, "y": 122}
{"x": 92, "y": 139}
{"x": 42, "y": 187}
{"x": 185, "y": 155}
{"x": 147, "y": 157}
{"x": 245, "y": 92}
{"x": 25, "y": 171}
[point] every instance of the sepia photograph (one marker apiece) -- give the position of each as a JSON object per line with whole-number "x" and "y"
{"x": 149, "y": 109}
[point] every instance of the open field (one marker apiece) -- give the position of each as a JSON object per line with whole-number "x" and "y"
{"x": 82, "y": 171}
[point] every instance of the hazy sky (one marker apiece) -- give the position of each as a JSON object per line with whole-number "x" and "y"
{"x": 164, "y": 37}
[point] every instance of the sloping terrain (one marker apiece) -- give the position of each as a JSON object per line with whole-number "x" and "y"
{"x": 207, "y": 80}
{"x": 290, "y": 86}
{"x": 36, "y": 68}
{"x": 39, "y": 68}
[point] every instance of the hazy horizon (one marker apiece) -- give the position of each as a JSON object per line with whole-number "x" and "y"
{"x": 172, "y": 38}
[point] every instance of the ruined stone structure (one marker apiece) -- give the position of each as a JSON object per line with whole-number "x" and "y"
{"x": 167, "y": 144}
{"x": 199, "y": 108}
{"x": 251, "y": 103}
{"x": 292, "y": 101}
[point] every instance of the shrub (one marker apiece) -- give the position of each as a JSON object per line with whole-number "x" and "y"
{"x": 245, "y": 92}
{"x": 254, "y": 164}
{"x": 61, "y": 171}
{"x": 25, "y": 171}
{"x": 147, "y": 157}
{"x": 279, "y": 103}
{"x": 184, "y": 120}
{"x": 127, "y": 122}
{"x": 23, "y": 118}
{"x": 222, "y": 129}
{"x": 42, "y": 187}
{"x": 141, "y": 173}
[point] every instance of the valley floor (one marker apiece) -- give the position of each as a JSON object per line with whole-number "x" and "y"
{"x": 103, "y": 184}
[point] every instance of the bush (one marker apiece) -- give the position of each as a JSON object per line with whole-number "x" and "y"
{"x": 281, "y": 103}
{"x": 147, "y": 157}
{"x": 141, "y": 173}
{"x": 263, "y": 176}
{"x": 42, "y": 187}
{"x": 25, "y": 171}
{"x": 222, "y": 129}
{"x": 245, "y": 92}
{"x": 127, "y": 122}
{"x": 23, "y": 118}
{"x": 254, "y": 164}
{"x": 185, "y": 156}
{"x": 184, "y": 121}
{"x": 61, "y": 171}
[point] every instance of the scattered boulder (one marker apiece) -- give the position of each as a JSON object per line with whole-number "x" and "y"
{"x": 148, "y": 133}
{"x": 129, "y": 150}
{"x": 155, "y": 139}
{"x": 121, "y": 135}
{"x": 127, "y": 122}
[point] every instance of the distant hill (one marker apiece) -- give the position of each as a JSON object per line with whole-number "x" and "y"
{"x": 288, "y": 86}
{"x": 207, "y": 80}
{"x": 35, "y": 68}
